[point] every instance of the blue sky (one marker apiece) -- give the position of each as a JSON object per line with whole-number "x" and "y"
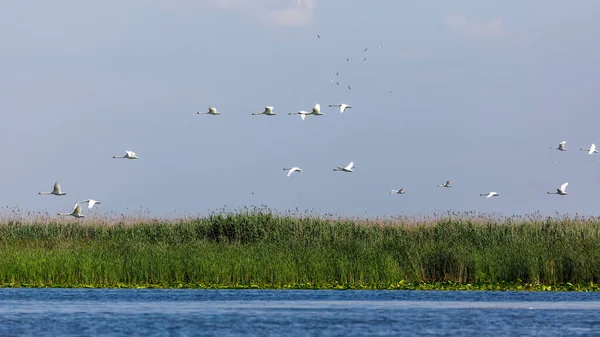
{"x": 480, "y": 92}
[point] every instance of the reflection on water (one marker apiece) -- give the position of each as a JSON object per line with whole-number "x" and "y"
{"x": 112, "y": 312}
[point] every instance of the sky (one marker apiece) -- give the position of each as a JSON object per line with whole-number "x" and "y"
{"x": 480, "y": 91}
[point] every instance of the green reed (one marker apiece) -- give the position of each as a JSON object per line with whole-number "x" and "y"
{"x": 259, "y": 248}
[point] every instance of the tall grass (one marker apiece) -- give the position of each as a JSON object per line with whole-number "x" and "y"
{"x": 260, "y": 247}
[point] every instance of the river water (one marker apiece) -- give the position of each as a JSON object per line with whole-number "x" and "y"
{"x": 120, "y": 312}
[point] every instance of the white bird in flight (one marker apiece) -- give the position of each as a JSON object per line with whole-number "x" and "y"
{"x": 211, "y": 111}
{"x": 348, "y": 168}
{"x": 560, "y": 190}
{"x": 292, "y": 170}
{"x": 342, "y": 106}
{"x": 592, "y": 149}
{"x": 446, "y": 184}
{"x": 489, "y": 195}
{"x": 400, "y": 191}
{"x": 76, "y": 212}
{"x": 561, "y": 146}
{"x": 55, "y": 191}
{"x": 128, "y": 155}
{"x": 268, "y": 111}
{"x": 90, "y": 202}
{"x": 302, "y": 113}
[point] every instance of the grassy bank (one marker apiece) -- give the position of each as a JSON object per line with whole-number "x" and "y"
{"x": 260, "y": 249}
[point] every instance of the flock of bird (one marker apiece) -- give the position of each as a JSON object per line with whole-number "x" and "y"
{"x": 315, "y": 111}
{"x": 268, "y": 111}
{"x": 77, "y": 210}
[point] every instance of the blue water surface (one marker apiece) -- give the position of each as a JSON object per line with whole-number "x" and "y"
{"x": 129, "y": 312}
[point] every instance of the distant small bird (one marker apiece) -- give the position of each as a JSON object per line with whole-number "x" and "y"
{"x": 489, "y": 195}
{"x": 348, "y": 168}
{"x": 76, "y": 212}
{"x": 211, "y": 111}
{"x": 365, "y": 59}
{"x": 55, "y": 191}
{"x": 338, "y": 83}
{"x": 400, "y": 191}
{"x": 292, "y": 170}
{"x": 90, "y": 202}
{"x": 560, "y": 190}
{"x": 365, "y": 49}
{"x": 446, "y": 184}
{"x": 561, "y": 146}
{"x": 268, "y": 111}
{"x": 349, "y": 88}
{"x": 592, "y": 149}
{"x": 319, "y": 36}
{"x": 347, "y": 59}
{"x": 128, "y": 155}
{"x": 342, "y": 106}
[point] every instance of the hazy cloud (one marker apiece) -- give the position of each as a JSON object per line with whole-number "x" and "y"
{"x": 274, "y": 12}
{"x": 492, "y": 28}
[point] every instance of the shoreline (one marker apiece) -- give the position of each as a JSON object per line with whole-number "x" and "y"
{"x": 415, "y": 286}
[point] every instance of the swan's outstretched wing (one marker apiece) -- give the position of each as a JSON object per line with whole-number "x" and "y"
{"x": 77, "y": 210}
{"x": 350, "y": 166}
{"x": 56, "y": 187}
{"x": 317, "y": 108}
{"x": 294, "y": 169}
{"x": 303, "y": 116}
{"x": 563, "y": 187}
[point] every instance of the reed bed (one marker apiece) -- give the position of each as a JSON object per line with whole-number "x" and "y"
{"x": 259, "y": 248}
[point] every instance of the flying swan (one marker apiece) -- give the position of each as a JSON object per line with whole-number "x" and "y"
{"x": 55, "y": 191}
{"x": 342, "y": 106}
{"x": 211, "y": 111}
{"x": 76, "y": 212}
{"x": 128, "y": 155}
{"x": 268, "y": 111}
{"x": 348, "y": 168}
